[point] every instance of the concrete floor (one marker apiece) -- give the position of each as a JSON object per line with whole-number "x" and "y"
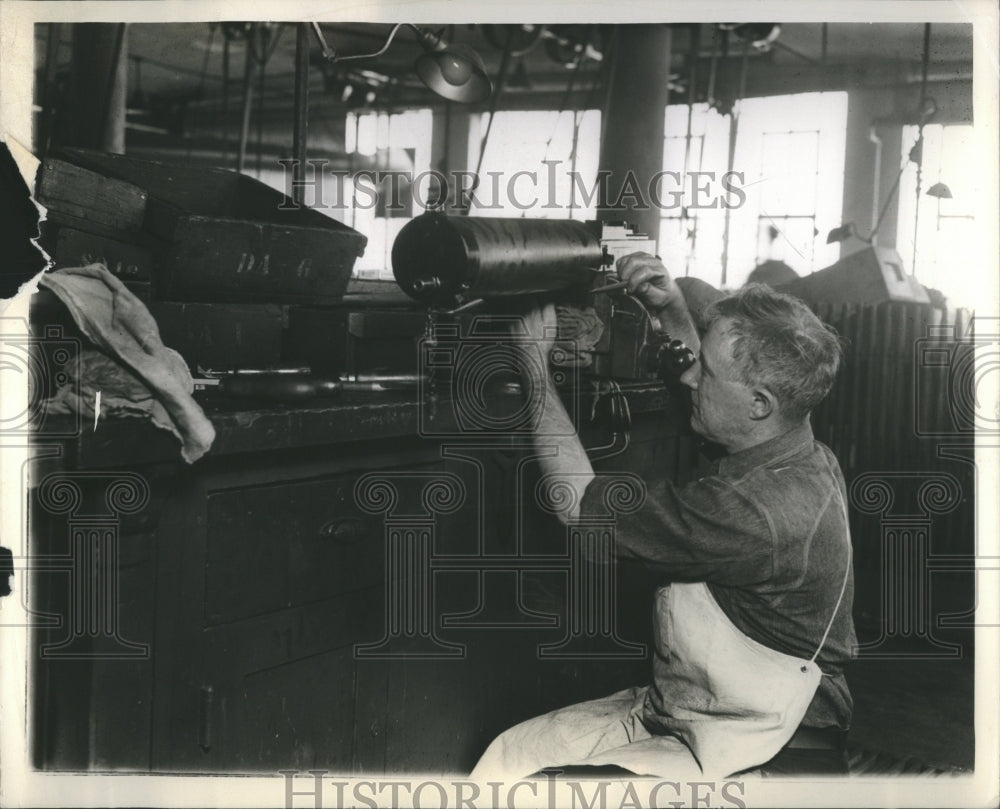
{"x": 919, "y": 708}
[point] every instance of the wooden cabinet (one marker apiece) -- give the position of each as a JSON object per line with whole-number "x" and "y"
{"x": 287, "y": 545}
{"x": 258, "y": 596}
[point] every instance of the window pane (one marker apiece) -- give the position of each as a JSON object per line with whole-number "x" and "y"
{"x": 789, "y": 156}
{"x": 789, "y": 168}
{"x": 789, "y": 239}
{"x": 945, "y": 257}
{"x": 514, "y": 179}
{"x": 399, "y": 142}
{"x": 691, "y": 238}
{"x": 798, "y": 143}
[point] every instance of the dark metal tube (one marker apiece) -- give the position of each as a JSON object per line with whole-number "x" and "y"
{"x": 440, "y": 259}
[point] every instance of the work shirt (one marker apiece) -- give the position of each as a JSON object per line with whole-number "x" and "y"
{"x": 767, "y": 532}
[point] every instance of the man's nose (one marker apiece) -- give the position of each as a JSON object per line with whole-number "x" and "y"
{"x": 690, "y": 377}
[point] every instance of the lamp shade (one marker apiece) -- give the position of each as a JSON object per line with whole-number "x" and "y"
{"x": 939, "y": 190}
{"x": 841, "y": 233}
{"x": 456, "y": 73}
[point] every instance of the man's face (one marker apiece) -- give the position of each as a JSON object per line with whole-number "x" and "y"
{"x": 720, "y": 403}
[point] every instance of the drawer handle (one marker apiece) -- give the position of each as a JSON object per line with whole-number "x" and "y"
{"x": 205, "y": 718}
{"x": 346, "y": 532}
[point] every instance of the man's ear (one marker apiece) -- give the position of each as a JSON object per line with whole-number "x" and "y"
{"x": 762, "y": 404}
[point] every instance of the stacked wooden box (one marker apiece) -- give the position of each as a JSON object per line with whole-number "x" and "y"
{"x": 92, "y": 218}
{"x": 216, "y": 256}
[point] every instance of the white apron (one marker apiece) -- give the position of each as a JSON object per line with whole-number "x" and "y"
{"x": 720, "y": 703}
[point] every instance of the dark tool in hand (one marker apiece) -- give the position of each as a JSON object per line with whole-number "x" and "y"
{"x": 610, "y": 287}
{"x": 670, "y": 358}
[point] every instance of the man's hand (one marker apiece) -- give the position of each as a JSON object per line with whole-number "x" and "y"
{"x": 649, "y": 281}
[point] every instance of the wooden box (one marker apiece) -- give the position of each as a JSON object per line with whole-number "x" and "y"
{"x": 70, "y": 247}
{"x": 90, "y": 198}
{"x": 221, "y": 336}
{"x": 132, "y": 262}
{"x": 221, "y": 236}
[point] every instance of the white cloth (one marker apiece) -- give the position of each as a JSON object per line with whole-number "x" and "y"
{"x": 720, "y": 703}
{"x": 599, "y": 732}
{"x": 118, "y": 323}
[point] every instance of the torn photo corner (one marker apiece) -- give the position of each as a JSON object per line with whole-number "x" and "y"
{"x": 23, "y": 258}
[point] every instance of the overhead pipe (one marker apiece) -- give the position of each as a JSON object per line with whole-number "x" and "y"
{"x": 301, "y": 120}
{"x": 241, "y": 154}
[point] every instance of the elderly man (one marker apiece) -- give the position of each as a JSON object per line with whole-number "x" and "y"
{"x": 754, "y": 628}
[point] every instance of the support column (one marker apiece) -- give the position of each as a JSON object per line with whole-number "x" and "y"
{"x": 872, "y": 160}
{"x": 99, "y": 84}
{"x": 892, "y": 159}
{"x": 450, "y": 148}
{"x": 632, "y": 129}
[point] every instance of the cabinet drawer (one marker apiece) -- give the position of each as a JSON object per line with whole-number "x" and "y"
{"x": 276, "y": 546}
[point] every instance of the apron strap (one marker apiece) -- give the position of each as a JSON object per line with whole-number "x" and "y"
{"x": 847, "y": 572}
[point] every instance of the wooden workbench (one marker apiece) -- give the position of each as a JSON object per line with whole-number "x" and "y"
{"x": 252, "y": 590}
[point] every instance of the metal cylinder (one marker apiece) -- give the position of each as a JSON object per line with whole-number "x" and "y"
{"x": 441, "y": 259}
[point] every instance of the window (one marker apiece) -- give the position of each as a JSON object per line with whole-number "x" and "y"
{"x": 691, "y": 238}
{"x": 946, "y": 243}
{"x": 374, "y": 142}
{"x": 789, "y": 155}
{"x": 384, "y": 142}
{"x": 530, "y": 162}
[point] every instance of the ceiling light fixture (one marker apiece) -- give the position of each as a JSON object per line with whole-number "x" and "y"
{"x": 454, "y": 72}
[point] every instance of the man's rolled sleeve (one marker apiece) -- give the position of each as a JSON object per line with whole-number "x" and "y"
{"x": 705, "y": 531}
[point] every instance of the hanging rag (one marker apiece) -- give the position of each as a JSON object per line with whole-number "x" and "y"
{"x": 119, "y": 324}
{"x": 578, "y": 331}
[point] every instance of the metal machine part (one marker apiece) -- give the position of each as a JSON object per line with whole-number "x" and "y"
{"x": 452, "y": 264}
{"x": 670, "y": 358}
{"x": 294, "y": 384}
{"x": 632, "y": 347}
{"x": 447, "y": 261}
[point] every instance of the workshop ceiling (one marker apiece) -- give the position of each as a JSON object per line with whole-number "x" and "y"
{"x": 176, "y": 71}
{"x": 185, "y": 59}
